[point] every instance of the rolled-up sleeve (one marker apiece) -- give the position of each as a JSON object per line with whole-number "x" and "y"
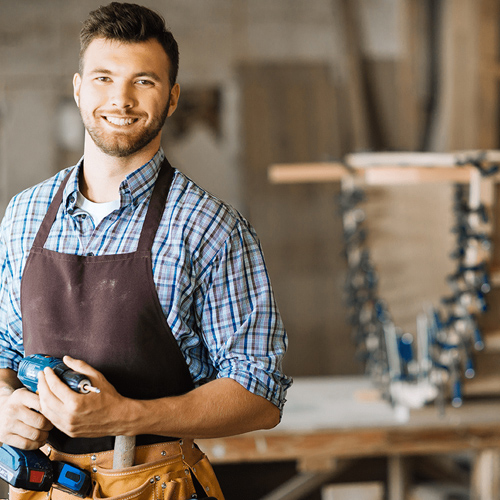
{"x": 10, "y": 317}
{"x": 241, "y": 322}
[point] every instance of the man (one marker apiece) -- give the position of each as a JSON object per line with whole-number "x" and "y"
{"x": 150, "y": 286}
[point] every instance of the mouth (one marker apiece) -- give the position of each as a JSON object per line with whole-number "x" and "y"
{"x": 120, "y": 122}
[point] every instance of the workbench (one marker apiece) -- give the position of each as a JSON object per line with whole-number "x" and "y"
{"x": 330, "y": 420}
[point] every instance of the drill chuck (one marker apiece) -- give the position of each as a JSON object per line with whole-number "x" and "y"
{"x": 85, "y": 386}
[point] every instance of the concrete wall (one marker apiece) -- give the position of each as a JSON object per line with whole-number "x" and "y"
{"x": 39, "y": 54}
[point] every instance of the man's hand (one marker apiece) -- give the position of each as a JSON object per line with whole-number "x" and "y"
{"x": 20, "y": 423}
{"x": 218, "y": 408}
{"x": 82, "y": 415}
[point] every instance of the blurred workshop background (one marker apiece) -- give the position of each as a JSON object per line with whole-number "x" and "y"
{"x": 268, "y": 82}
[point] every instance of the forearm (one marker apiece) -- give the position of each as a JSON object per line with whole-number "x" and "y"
{"x": 220, "y": 408}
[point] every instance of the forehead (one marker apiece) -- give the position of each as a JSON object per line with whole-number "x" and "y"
{"x": 124, "y": 57}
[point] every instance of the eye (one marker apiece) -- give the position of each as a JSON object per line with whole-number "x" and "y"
{"x": 103, "y": 79}
{"x": 145, "y": 83}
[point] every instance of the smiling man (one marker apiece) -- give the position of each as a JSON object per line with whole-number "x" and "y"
{"x": 140, "y": 279}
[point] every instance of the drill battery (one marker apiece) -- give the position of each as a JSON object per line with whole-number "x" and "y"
{"x": 33, "y": 470}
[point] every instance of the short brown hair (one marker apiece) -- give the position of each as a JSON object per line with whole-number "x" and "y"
{"x": 128, "y": 22}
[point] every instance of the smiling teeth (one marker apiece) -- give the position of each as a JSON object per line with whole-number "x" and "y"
{"x": 120, "y": 121}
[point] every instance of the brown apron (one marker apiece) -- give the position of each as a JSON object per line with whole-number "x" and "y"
{"x": 105, "y": 310}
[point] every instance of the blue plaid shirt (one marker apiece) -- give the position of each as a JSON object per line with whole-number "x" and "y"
{"x": 207, "y": 264}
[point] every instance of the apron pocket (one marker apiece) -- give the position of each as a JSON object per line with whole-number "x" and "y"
{"x": 20, "y": 494}
{"x": 144, "y": 492}
{"x": 164, "y": 480}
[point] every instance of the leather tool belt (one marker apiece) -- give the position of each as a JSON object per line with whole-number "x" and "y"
{"x": 162, "y": 471}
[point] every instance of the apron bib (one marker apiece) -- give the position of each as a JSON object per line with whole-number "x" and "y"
{"x": 104, "y": 310}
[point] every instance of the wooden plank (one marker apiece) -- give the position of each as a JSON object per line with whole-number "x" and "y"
{"x": 307, "y": 172}
{"x": 351, "y": 443}
{"x": 376, "y": 176}
{"x": 386, "y": 176}
{"x": 489, "y": 74}
{"x": 406, "y": 158}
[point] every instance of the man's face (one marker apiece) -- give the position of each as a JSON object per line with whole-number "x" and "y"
{"x": 124, "y": 94}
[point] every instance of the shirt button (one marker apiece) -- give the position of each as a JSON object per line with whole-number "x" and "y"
{"x": 90, "y": 254}
{"x": 72, "y": 199}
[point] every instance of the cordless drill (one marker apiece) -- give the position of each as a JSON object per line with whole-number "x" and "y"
{"x": 31, "y": 366}
{"x": 32, "y": 469}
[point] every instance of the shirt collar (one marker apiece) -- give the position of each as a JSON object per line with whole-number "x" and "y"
{"x": 135, "y": 186}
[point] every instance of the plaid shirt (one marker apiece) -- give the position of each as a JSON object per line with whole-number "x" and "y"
{"x": 208, "y": 269}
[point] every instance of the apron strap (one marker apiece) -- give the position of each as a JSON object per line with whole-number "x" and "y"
{"x": 156, "y": 207}
{"x": 50, "y": 216}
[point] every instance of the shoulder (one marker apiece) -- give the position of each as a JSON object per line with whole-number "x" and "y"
{"x": 41, "y": 193}
{"x": 29, "y": 206}
{"x": 192, "y": 205}
{"x": 203, "y": 222}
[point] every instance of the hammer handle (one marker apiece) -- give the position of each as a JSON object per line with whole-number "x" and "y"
{"x": 124, "y": 452}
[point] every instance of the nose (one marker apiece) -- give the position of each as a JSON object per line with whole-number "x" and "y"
{"x": 123, "y": 96}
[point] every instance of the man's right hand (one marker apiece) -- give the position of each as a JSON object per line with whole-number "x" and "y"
{"x": 21, "y": 424}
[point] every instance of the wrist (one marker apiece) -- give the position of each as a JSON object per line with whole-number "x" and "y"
{"x": 132, "y": 416}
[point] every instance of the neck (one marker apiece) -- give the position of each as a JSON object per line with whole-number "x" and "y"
{"x": 102, "y": 174}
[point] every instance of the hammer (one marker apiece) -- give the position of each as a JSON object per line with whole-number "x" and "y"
{"x": 124, "y": 452}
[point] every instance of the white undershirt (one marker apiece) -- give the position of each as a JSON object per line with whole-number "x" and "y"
{"x": 96, "y": 210}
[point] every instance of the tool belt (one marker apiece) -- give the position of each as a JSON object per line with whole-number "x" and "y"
{"x": 175, "y": 470}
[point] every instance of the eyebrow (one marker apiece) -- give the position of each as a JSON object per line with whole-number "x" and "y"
{"x": 148, "y": 74}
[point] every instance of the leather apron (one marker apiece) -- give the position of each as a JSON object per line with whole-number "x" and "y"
{"x": 105, "y": 310}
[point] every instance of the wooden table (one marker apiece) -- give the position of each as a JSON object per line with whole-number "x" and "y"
{"x": 330, "y": 419}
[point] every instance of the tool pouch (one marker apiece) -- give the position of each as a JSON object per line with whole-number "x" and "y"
{"x": 169, "y": 478}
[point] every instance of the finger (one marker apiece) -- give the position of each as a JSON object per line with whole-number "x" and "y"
{"x": 51, "y": 389}
{"x": 24, "y": 406}
{"x": 35, "y": 434}
{"x": 34, "y": 419}
{"x": 24, "y": 443}
{"x": 27, "y": 437}
{"x": 80, "y": 366}
{"x": 26, "y": 429}
{"x": 27, "y": 398}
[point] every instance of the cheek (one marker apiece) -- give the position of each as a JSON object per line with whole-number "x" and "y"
{"x": 90, "y": 98}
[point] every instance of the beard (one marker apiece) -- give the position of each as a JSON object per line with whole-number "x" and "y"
{"x": 123, "y": 144}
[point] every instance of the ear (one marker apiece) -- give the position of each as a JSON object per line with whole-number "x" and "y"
{"x": 174, "y": 98}
{"x": 77, "y": 81}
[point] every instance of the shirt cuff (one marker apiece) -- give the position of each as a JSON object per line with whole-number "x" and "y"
{"x": 9, "y": 363}
{"x": 261, "y": 384}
